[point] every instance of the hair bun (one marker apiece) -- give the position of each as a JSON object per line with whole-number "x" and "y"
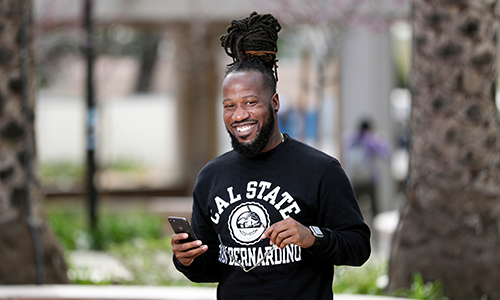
{"x": 255, "y": 36}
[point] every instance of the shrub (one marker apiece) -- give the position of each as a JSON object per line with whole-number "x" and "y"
{"x": 369, "y": 279}
{"x": 113, "y": 228}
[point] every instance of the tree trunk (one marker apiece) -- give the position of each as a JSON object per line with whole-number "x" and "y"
{"x": 450, "y": 223}
{"x": 17, "y": 249}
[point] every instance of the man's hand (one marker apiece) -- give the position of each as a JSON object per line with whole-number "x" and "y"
{"x": 288, "y": 232}
{"x": 187, "y": 252}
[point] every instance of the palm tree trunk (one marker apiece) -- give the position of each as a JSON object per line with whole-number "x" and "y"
{"x": 29, "y": 250}
{"x": 450, "y": 223}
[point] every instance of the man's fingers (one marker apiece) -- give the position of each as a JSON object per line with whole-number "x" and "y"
{"x": 280, "y": 232}
{"x": 187, "y": 246}
{"x": 187, "y": 257}
{"x": 268, "y": 231}
{"x": 284, "y": 238}
{"x": 187, "y": 252}
{"x": 178, "y": 237}
{"x": 192, "y": 252}
{"x": 286, "y": 232}
{"x": 177, "y": 241}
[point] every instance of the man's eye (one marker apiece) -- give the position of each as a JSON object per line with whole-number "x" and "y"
{"x": 228, "y": 106}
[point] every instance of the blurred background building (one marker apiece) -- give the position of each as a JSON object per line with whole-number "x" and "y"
{"x": 158, "y": 74}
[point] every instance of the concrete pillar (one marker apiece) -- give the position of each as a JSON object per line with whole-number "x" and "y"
{"x": 197, "y": 84}
{"x": 367, "y": 80}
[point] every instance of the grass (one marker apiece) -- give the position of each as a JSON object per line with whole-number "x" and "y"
{"x": 125, "y": 166}
{"x": 51, "y": 170}
{"x": 62, "y": 175}
{"x": 66, "y": 176}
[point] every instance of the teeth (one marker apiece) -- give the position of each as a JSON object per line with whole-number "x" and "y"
{"x": 244, "y": 128}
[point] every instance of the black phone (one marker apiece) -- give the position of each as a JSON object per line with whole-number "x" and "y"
{"x": 181, "y": 225}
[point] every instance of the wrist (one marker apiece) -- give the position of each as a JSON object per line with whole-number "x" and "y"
{"x": 318, "y": 234}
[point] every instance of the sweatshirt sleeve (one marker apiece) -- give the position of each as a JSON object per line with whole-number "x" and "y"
{"x": 205, "y": 268}
{"x": 346, "y": 238}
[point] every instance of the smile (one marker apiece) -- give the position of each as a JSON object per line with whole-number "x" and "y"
{"x": 244, "y": 128}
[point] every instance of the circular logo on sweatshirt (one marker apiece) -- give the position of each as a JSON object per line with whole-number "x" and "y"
{"x": 247, "y": 223}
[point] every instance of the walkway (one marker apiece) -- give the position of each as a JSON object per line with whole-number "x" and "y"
{"x": 120, "y": 292}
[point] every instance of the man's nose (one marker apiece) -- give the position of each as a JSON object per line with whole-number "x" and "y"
{"x": 240, "y": 114}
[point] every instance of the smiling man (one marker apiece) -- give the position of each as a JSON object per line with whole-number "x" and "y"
{"x": 275, "y": 215}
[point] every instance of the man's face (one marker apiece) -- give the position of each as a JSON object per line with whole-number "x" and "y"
{"x": 248, "y": 112}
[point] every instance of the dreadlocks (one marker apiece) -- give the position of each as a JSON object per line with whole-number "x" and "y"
{"x": 251, "y": 43}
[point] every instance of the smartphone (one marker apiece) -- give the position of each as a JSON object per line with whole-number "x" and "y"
{"x": 181, "y": 225}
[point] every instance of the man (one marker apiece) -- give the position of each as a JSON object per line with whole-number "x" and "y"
{"x": 274, "y": 215}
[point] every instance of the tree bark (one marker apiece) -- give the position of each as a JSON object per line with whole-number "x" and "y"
{"x": 450, "y": 224}
{"x": 18, "y": 260}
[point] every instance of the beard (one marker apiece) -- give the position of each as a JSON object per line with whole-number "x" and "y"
{"x": 255, "y": 147}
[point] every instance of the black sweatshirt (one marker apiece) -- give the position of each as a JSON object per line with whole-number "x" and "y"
{"x": 235, "y": 199}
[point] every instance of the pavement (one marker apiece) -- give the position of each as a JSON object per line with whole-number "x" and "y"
{"x": 120, "y": 292}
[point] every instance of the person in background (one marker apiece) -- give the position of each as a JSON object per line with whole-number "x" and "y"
{"x": 361, "y": 150}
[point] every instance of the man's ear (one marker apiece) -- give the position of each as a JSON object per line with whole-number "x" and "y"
{"x": 275, "y": 102}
